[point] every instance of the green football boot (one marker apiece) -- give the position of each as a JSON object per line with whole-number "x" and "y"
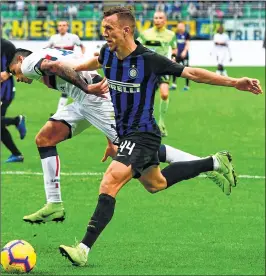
{"x": 220, "y": 181}
{"x": 76, "y": 255}
{"x": 50, "y": 212}
{"x": 163, "y": 130}
{"x": 226, "y": 168}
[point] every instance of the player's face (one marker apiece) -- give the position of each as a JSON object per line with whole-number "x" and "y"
{"x": 113, "y": 32}
{"x": 159, "y": 20}
{"x": 62, "y": 27}
{"x": 220, "y": 30}
{"x": 181, "y": 28}
{"x": 15, "y": 70}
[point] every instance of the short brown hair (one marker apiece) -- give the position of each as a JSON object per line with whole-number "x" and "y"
{"x": 123, "y": 13}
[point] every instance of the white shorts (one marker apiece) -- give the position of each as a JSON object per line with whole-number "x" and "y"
{"x": 81, "y": 116}
{"x": 221, "y": 54}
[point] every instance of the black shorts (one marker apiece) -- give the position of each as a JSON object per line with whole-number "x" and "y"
{"x": 140, "y": 150}
{"x": 184, "y": 62}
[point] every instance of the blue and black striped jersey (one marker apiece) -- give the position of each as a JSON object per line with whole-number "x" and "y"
{"x": 132, "y": 83}
{"x": 7, "y": 52}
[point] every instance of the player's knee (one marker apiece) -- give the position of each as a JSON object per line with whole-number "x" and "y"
{"x": 152, "y": 190}
{"x": 164, "y": 96}
{"x": 41, "y": 140}
{"x": 110, "y": 184}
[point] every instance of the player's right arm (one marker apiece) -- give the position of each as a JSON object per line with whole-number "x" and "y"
{"x": 89, "y": 65}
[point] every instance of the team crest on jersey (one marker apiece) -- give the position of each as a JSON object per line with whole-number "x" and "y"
{"x": 133, "y": 72}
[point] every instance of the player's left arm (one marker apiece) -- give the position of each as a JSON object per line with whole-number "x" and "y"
{"x": 163, "y": 66}
{"x": 68, "y": 74}
{"x": 205, "y": 76}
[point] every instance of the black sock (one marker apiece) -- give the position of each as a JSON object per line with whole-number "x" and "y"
{"x": 162, "y": 153}
{"x": 7, "y": 140}
{"x": 10, "y": 121}
{"x": 101, "y": 217}
{"x": 179, "y": 171}
{"x": 174, "y": 79}
{"x": 47, "y": 151}
{"x": 187, "y": 82}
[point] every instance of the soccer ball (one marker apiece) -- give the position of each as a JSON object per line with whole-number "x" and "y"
{"x": 18, "y": 257}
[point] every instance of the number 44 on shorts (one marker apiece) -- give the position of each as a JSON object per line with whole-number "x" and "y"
{"x": 127, "y": 145}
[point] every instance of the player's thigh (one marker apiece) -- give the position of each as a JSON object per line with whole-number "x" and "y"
{"x": 115, "y": 177}
{"x": 72, "y": 116}
{"x": 153, "y": 180}
{"x": 101, "y": 115}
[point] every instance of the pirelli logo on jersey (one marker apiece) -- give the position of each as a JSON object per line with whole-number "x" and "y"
{"x": 124, "y": 86}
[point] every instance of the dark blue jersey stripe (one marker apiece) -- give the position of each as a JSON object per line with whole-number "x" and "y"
{"x": 7, "y": 87}
{"x": 137, "y": 96}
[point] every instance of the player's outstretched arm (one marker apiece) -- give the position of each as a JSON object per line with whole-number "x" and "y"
{"x": 67, "y": 73}
{"x": 205, "y": 76}
{"x": 89, "y": 65}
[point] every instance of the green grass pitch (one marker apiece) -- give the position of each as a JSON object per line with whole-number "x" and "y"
{"x": 190, "y": 229}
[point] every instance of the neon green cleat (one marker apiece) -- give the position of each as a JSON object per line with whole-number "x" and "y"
{"x": 76, "y": 255}
{"x": 226, "y": 168}
{"x": 163, "y": 130}
{"x": 220, "y": 181}
{"x": 50, "y": 212}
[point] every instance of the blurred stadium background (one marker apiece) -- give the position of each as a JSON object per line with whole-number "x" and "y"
{"x": 192, "y": 229}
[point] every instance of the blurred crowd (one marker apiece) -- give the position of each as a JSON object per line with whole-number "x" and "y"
{"x": 143, "y": 9}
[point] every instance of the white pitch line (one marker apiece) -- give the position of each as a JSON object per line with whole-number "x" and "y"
{"x": 101, "y": 173}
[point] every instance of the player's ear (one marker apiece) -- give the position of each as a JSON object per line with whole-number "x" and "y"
{"x": 20, "y": 58}
{"x": 126, "y": 31}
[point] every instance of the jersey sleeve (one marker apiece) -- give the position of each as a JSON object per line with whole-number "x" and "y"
{"x": 77, "y": 40}
{"x": 161, "y": 65}
{"x": 31, "y": 67}
{"x": 50, "y": 43}
{"x": 102, "y": 51}
{"x": 187, "y": 36}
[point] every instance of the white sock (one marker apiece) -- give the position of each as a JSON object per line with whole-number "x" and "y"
{"x": 84, "y": 247}
{"x": 216, "y": 163}
{"x": 51, "y": 176}
{"x": 224, "y": 73}
{"x": 62, "y": 102}
{"x": 176, "y": 155}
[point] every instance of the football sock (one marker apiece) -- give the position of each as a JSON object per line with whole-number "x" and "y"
{"x": 62, "y": 102}
{"x": 179, "y": 171}
{"x": 10, "y": 121}
{"x": 7, "y": 140}
{"x": 163, "y": 109}
{"x": 51, "y": 173}
{"x": 169, "y": 154}
{"x": 187, "y": 82}
{"x": 85, "y": 247}
{"x": 101, "y": 217}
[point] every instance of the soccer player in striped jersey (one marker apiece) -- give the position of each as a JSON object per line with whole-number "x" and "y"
{"x": 131, "y": 71}
{"x": 7, "y": 96}
{"x": 182, "y": 55}
{"x": 46, "y": 66}
{"x": 162, "y": 41}
{"x": 67, "y": 41}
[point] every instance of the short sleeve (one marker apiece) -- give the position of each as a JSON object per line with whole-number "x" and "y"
{"x": 77, "y": 40}
{"x": 161, "y": 65}
{"x": 187, "y": 36}
{"x": 102, "y": 51}
{"x": 31, "y": 67}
